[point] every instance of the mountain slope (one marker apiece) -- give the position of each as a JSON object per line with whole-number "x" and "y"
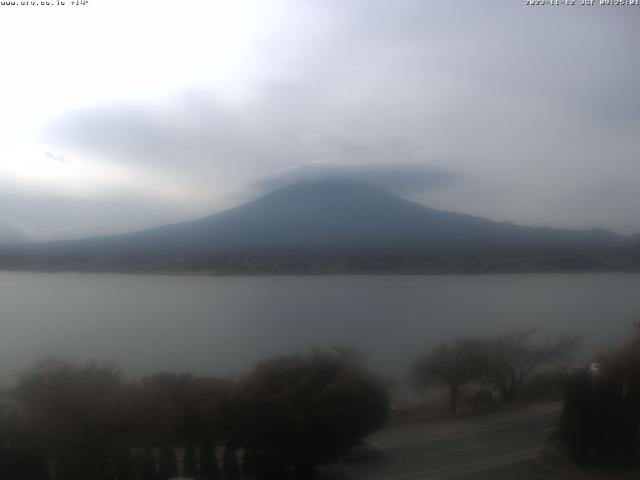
{"x": 343, "y": 215}
{"x": 324, "y": 221}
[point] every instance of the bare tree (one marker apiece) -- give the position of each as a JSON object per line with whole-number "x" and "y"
{"x": 515, "y": 356}
{"x": 452, "y": 365}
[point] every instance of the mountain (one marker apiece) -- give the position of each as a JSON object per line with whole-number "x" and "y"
{"x": 337, "y": 226}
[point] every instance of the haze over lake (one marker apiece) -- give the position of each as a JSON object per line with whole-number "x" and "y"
{"x": 223, "y": 325}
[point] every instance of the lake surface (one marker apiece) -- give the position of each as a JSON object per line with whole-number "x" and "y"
{"x": 223, "y": 325}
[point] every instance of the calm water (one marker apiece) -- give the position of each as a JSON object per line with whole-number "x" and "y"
{"x": 222, "y": 325}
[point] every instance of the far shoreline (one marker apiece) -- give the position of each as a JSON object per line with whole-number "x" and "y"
{"x": 212, "y": 273}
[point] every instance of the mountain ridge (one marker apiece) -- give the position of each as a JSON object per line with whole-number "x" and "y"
{"x": 330, "y": 222}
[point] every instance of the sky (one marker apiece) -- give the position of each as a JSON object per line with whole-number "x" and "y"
{"x": 120, "y": 115}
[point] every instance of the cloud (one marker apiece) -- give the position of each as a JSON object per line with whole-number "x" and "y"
{"x": 503, "y": 111}
{"x": 198, "y": 137}
{"x": 49, "y": 217}
{"x": 403, "y": 180}
{"x": 58, "y": 157}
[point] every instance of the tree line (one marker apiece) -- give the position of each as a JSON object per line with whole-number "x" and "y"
{"x": 72, "y": 421}
{"x": 504, "y": 362}
{"x": 600, "y": 420}
{"x": 69, "y": 421}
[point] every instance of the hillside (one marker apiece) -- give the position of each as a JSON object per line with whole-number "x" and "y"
{"x": 336, "y": 226}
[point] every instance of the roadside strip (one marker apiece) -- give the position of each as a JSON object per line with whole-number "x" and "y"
{"x": 455, "y": 450}
{"x": 467, "y": 468}
{"x": 466, "y": 433}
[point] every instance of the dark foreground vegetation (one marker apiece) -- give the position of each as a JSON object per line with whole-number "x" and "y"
{"x": 600, "y": 423}
{"x": 66, "y": 421}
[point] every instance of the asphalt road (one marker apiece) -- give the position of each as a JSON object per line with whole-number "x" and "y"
{"x": 498, "y": 447}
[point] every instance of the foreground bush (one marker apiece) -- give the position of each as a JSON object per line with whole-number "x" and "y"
{"x": 600, "y": 423}
{"x": 88, "y": 423}
{"x": 301, "y": 411}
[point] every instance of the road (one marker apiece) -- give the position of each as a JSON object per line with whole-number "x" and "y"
{"x": 494, "y": 446}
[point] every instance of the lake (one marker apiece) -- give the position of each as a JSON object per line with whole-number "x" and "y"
{"x": 223, "y": 325}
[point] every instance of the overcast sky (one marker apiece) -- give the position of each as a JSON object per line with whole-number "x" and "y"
{"x": 124, "y": 114}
